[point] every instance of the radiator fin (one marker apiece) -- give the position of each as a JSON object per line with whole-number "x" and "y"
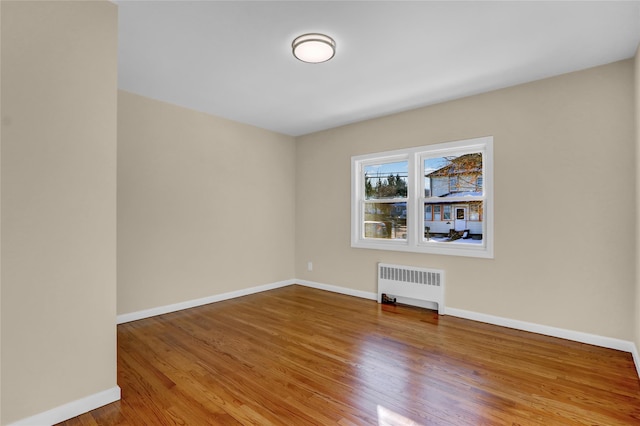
{"x": 410, "y": 275}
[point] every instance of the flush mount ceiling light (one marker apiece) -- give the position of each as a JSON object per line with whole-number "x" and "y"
{"x": 313, "y": 48}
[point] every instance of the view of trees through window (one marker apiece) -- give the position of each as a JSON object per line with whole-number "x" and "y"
{"x": 387, "y": 184}
{"x": 393, "y": 186}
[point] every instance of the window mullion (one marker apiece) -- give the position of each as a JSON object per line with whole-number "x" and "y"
{"x": 413, "y": 191}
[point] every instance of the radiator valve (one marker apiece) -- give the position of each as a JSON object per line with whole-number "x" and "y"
{"x": 388, "y": 300}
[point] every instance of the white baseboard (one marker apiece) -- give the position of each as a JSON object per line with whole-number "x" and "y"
{"x": 577, "y": 336}
{"x": 72, "y": 409}
{"x": 636, "y": 359}
{"x": 337, "y": 289}
{"x": 147, "y": 313}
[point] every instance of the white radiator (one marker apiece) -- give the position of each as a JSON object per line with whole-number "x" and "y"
{"x": 412, "y": 286}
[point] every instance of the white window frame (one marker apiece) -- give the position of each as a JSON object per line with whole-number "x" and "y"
{"x": 415, "y": 241}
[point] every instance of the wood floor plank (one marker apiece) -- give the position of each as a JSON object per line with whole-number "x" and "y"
{"x": 300, "y": 356}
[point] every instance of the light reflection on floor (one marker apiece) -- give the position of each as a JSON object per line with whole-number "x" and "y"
{"x": 385, "y": 367}
{"x": 387, "y": 417}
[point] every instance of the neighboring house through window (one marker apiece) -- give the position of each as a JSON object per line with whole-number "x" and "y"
{"x": 430, "y": 199}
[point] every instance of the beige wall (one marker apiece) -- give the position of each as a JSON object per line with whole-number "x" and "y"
{"x": 205, "y": 205}
{"x": 0, "y": 215}
{"x": 637, "y": 251}
{"x": 58, "y": 198}
{"x": 564, "y": 204}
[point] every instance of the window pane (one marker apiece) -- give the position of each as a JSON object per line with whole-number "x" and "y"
{"x": 453, "y": 183}
{"x": 475, "y": 211}
{"x": 386, "y": 180}
{"x": 434, "y": 224}
{"x": 427, "y": 212}
{"x": 385, "y": 220}
{"x": 446, "y": 213}
{"x": 455, "y": 176}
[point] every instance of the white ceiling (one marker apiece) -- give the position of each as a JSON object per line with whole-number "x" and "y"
{"x": 233, "y": 59}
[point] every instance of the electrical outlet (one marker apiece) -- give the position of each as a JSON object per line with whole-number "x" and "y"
{"x": 309, "y": 266}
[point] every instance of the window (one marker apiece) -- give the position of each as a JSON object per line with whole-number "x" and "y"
{"x": 429, "y": 199}
{"x": 436, "y": 213}
{"x": 428, "y": 215}
{"x": 385, "y": 199}
{"x": 453, "y": 184}
{"x": 475, "y": 211}
{"x": 446, "y": 215}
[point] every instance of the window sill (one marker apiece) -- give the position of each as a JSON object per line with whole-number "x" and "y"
{"x": 447, "y": 248}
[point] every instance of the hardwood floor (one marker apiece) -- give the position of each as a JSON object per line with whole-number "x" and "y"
{"x": 299, "y": 356}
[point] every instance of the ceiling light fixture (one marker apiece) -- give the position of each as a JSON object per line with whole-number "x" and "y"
{"x": 313, "y": 48}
